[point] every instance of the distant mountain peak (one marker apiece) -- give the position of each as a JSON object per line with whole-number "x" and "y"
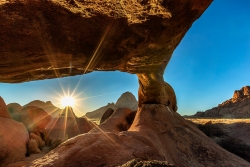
{"x": 126, "y": 100}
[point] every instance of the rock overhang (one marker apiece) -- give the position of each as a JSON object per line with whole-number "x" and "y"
{"x": 51, "y": 39}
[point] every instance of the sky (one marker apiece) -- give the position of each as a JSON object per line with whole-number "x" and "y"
{"x": 212, "y": 60}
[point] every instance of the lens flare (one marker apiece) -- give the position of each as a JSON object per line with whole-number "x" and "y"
{"x": 67, "y": 101}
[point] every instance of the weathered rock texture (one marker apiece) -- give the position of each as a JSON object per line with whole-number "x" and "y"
{"x": 50, "y": 39}
{"x": 236, "y": 107}
{"x": 157, "y": 133}
{"x": 154, "y": 163}
{"x": 13, "y": 138}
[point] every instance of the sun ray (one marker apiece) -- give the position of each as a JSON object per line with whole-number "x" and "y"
{"x": 68, "y": 101}
{"x": 99, "y": 95}
{"x": 72, "y": 97}
{"x": 65, "y": 123}
{"x": 105, "y": 133}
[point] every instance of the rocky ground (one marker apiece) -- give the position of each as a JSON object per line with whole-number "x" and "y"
{"x": 231, "y": 134}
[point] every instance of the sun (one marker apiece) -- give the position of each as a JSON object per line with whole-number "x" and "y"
{"x": 67, "y": 101}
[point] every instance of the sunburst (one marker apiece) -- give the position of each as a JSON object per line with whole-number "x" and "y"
{"x": 68, "y": 101}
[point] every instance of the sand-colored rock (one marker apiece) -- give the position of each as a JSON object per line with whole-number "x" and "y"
{"x": 127, "y": 100}
{"x": 33, "y": 146}
{"x": 157, "y": 133}
{"x": 13, "y": 139}
{"x": 3, "y": 109}
{"x": 39, "y": 140}
{"x": 34, "y": 118}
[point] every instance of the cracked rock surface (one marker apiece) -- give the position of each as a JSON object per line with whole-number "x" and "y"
{"x": 51, "y": 39}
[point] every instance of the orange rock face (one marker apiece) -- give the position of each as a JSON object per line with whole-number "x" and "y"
{"x": 51, "y": 39}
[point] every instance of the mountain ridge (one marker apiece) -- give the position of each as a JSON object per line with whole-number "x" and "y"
{"x": 236, "y": 107}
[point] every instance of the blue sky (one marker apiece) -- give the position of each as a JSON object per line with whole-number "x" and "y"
{"x": 212, "y": 61}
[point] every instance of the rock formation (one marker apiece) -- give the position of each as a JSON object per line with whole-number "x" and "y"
{"x": 34, "y": 118}
{"x": 236, "y": 107}
{"x": 51, "y": 39}
{"x": 13, "y": 138}
{"x": 32, "y": 146}
{"x": 126, "y": 100}
{"x": 97, "y": 114}
{"x": 35, "y": 144}
{"x": 157, "y": 133}
{"x": 64, "y": 38}
{"x": 121, "y": 117}
{"x": 15, "y": 110}
{"x": 67, "y": 125}
{"x": 106, "y": 115}
{"x": 47, "y": 106}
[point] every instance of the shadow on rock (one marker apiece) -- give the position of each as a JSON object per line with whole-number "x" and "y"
{"x": 157, "y": 133}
